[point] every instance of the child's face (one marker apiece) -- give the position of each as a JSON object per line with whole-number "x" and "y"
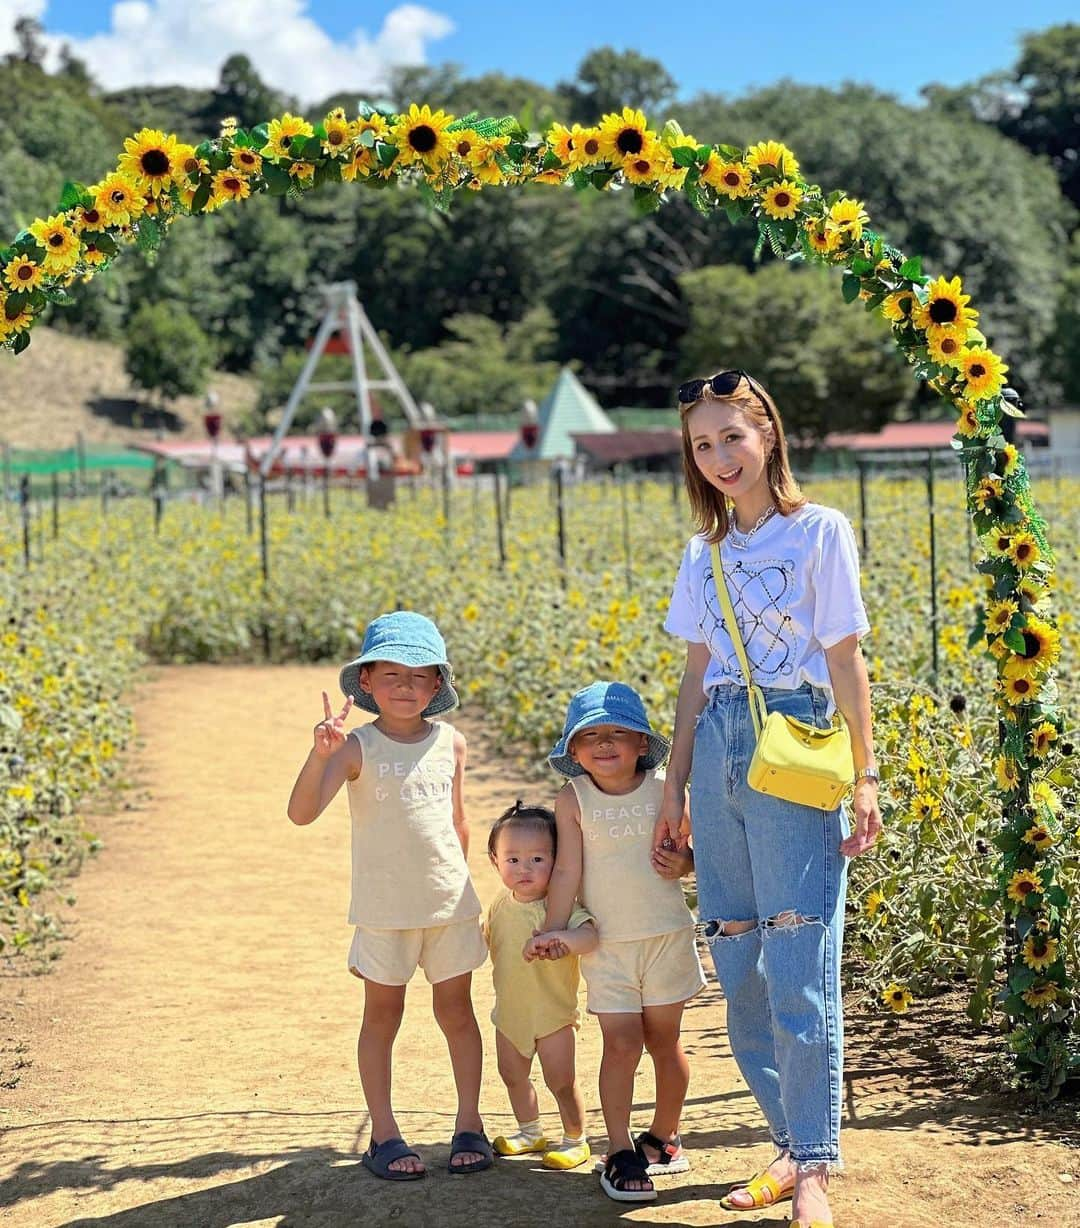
{"x": 524, "y": 857}
{"x": 401, "y": 691}
{"x": 609, "y": 753}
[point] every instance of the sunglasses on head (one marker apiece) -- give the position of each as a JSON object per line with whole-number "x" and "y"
{"x": 722, "y": 384}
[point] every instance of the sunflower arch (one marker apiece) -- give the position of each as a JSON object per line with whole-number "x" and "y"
{"x": 158, "y": 180}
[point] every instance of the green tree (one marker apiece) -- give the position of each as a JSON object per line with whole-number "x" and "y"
{"x": 608, "y": 80}
{"x": 1036, "y": 103}
{"x": 829, "y": 365}
{"x": 1063, "y": 347}
{"x": 167, "y": 352}
{"x": 242, "y": 93}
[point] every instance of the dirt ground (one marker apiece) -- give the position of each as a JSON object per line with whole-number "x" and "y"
{"x": 190, "y": 1061}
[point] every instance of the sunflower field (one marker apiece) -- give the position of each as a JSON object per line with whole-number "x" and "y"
{"x": 925, "y": 907}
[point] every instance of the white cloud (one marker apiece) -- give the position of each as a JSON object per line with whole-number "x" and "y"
{"x": 10, "y": 12}
{"x": 166, "y": 42}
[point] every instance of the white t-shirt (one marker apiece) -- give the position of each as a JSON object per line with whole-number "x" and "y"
{"x": 794, "y": 590}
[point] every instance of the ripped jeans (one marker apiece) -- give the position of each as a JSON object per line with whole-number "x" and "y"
{"x": 777, "y": 864}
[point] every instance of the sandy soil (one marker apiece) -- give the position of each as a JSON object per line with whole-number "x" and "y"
{"x": 65, "y": 384}
{"x": 191, "y": 1059}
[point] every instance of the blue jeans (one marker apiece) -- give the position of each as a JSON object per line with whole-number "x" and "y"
{"x": 778, "y": 864}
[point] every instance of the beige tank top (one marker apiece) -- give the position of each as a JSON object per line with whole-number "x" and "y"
{"x": 618, "y": 883}
{"x": 408, "y": 869}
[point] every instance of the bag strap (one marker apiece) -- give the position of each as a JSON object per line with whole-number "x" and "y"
{"x": 758, "y": 710}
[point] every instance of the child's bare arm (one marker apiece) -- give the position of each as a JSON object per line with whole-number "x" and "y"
{"x": 333, "y": 759}
{"x": 461, "y": 822}
{"x": 566, "y": 877}
{"x": 557, "y": 945}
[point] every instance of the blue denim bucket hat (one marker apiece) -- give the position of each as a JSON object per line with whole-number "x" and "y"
{"x": 606, "y": 703}
{"x": 406, "y": 638}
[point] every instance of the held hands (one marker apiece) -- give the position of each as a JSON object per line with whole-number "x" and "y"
{"x": 674, "y": 821}
{"x": 671, "y": 862}
{"x": 330, "y": 733}
{"x": 545, "y": 946}
{"x": 864, "y": 808}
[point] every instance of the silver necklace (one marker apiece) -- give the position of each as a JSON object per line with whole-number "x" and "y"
{"x": 740, "y": 540}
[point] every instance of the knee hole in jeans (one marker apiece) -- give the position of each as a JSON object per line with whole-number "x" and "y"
{"x": 790, "y": 921}
{"x": 714, "y": 930}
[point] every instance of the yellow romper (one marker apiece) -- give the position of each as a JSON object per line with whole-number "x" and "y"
{"x": 531, "y": 999}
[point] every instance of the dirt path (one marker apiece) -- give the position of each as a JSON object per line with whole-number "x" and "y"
{"x": 191, "y": 1060}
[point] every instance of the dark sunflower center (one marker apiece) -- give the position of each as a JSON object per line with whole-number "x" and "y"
{"x": 335, "y": 137}
{"x": 91, "y": 217}
{"x": 783, "y": 200}
{"x": 232, "y": 184}
{"x": 191, "y": 165}
{"x": 976, "y": 370}
{"x": 56, "y": 240}
{"x": 943, "y": 311}
{"x": 91, "y": 248}
{"x": 118, "y": 196}
{"x": 949, "y": 345}
{"x": 732, "y": 179}
{"x": 247, "y": 159}
{"x": 463, "y": 148}
{"x": 25, "y": 272}
{"x": 155, "y": 162}
{"x": 641, "y": 166}
{"x": 423, "y": 138}
{"x": 1022, "y": 685}
{"x": 1032, "y": 646}
{"x": 629, "y": 142}
{"x": 592, "y": 147}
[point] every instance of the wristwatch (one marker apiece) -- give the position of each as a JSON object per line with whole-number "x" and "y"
{"x": 868, "y": 773}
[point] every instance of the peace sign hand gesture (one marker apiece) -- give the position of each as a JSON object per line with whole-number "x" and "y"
{"x": 330, "y": 733}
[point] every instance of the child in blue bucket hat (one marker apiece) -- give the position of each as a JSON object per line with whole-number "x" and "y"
{"x": 413, "y": 902}
{"x": 646, "y": 965}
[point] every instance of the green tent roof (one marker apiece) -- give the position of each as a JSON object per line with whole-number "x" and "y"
{"x": 569, "y": 408}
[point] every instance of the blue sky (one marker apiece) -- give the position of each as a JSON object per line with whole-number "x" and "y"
{"x": 720, "y": 46}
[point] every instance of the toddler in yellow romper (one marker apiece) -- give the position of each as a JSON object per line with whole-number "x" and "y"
{"x": 536, "y": 986}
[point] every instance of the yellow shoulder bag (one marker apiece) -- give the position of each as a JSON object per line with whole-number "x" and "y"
{"x": 792, "y": 760}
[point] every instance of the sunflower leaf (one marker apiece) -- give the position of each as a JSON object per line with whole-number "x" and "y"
{"x": 311, "y": 149}
{"x": 59, "y": 296}
{"x": 645, "y": 200}
{"x": 463, "y": 122}
{"x": 202, "y": 195}
{"x": 149, "y": 236}
{"x": 978, "y": 632}
{"x": 730, "y": 153}
{"x": 580, "y": 180}
{"x": 367, "y": 138}
{"x": 860, "y": 266}
{"x": 849, "y": 288}
{"x": 684, "y": 155}
{"x": 21, "y": 342}
{"x": 72, "y": 195}
{"x": 386, "y": 153}
{"x": 911, "y": 269}
{"x": 1015, "y": 640}
{"x": 102, "y": 240}
{"x": 759, "y": 246}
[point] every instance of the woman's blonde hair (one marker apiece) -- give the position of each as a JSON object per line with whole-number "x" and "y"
{"x": 709, "y": 506}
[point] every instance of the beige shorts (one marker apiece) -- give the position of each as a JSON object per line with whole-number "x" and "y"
{"x": 624, "y": 977}
{"x": 390, "y": 957}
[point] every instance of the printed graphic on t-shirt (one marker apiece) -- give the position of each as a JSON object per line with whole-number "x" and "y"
{"x": 413, "y": 781}
{"x": 619, "y": 821}
{"x": 760, "y": 595}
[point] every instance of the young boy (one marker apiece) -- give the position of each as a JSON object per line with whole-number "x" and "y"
{"x": 646, "y": 966}
{"x": 413, "y": 903}
{"x": 535, "y": 996}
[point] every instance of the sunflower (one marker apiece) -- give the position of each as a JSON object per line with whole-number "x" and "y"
{"x": 361, "y": 165}
{"x": 896, "y": 997}
{"x": 821, "y": 240}
{"x": 946, "y": 304}
{"x": 968, "y": 423}
{"x": 151, "y": 159}
{"x": 374, "y": 123}
{"x": 898, "y": 306}
{"x": 624, "y": 136}
{"x": 874, "y": 903}
{"x": 775, "y": 155}
{"x": 672, "y": 175}
{"x": 491, "y": 173}
{"x": 1040, "y": 837}
{"x": 281, "y": 134}
{"x": 560, "y": 140}
{"x": 231, "y": 185}
{"x": 339, "y": 133}
{"x": 61, "y": 244}
{"x": 1042, "y": 647}
{"x": 555, "y": 176}
{"x": 781, "y": 200}
{"x": 988, "y": 489}
{"x": 1042, "y": 738}
{"x": 86, "y": 217}
{"x": 464, "y": 143}
{"x": 1024, "y": 551}
{"x": 984, "y": 372}
{"x": 18, "y": 323}
{"x": 421, "y": 136}
{"x": 22, "y": 273}
{"x": 246, "y": 161}
{"x": 190, "y": 165}
{"x": 846, "y": 219}
{"x": 644, "y": 167}
{"x": 1019, "y": 690}
{"x": 588, "y": 148}
{"x": 1022, "y": 884}
{"x": 1007, "y": 773}
{"x": 1032, "y": 591}
{"x": 118, "y": 200}
{"x": 925, "y": 808}
{"x": 732, "y": 179}
{"x": 999, "y": 615}
{"x": 1042, "y": 993}
{"x": 92, "y": 254}
{"x": 946, "y": 343}
{"x": 304, "y": 172}
{"x": 1045, "y": 793}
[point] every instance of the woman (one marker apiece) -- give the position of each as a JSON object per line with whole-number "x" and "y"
{"x": 771, "y": 873}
